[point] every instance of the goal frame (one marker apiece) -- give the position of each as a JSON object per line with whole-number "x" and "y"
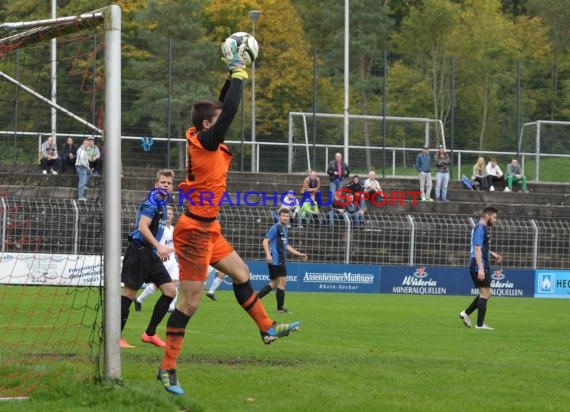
{"x": 537, "y": 124}
{"x": 43, "y": 30}
{"x": 304, "y": 115}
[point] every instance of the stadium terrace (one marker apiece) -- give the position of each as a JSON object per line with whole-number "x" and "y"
{"x": 345, "y": 197}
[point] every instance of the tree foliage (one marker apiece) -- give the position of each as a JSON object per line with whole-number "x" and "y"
{"x": 489, "y": 40}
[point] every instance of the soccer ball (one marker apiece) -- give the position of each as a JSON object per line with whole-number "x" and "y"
{"x": 250, "y": 44}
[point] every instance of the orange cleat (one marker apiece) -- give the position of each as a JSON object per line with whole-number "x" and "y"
{"x": 124, "y": 344}
{"x": 153, "y": 339}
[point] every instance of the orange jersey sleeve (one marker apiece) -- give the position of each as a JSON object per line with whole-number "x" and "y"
{"x": 206, "y": 175}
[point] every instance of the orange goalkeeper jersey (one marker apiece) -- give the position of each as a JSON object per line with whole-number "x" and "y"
{"x": 206, "y": 176}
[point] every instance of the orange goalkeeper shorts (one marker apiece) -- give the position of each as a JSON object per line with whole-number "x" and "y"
{"x": 198, "y": 244}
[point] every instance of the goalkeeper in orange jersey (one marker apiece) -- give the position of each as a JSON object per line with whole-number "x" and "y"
{"x": 197, "y": 236}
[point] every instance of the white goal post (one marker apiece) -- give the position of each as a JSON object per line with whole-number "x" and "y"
{"x": 538, "y": 124}
{"x": 39, "y": 31}
{"x": 307, "y": 115}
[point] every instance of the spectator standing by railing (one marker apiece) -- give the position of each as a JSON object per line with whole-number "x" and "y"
{"x": 423, "y": 167}
{"x": 337, "y": 171}
{"x": 83, "y": 169}
{"x": 441, "y": 161}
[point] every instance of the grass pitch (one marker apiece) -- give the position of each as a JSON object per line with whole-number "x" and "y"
{"x": 353, "y": 353}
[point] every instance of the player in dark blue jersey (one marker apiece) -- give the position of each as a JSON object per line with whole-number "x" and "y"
{"x": 276, "y": 246}
{"x": 143, "y": 261}
{"x": 480, "y": 268}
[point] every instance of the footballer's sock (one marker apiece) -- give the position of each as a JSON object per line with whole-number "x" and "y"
{"x": 125, "y": 305}
{"x": 248, "y": 300}
{"x": 471, "y": 308}
{"x": 175, "y": 328}
{"x": 481, "y": 311}
{"x": 280, "y": 294}
{"x": 160, "y": 310}
{"x": 264, "y": 291}
{"x": 215, "y": 285}
{"x": 149, "y": 290}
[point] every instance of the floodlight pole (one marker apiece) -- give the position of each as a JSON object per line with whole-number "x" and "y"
{"x": 253, "y": 17}
{"x": 53, "y": 70}
{"x": 346, "y": 77}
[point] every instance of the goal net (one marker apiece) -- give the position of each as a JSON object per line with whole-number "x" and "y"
{"x": 51, "y": 256}
{"x": 368, "y": 150}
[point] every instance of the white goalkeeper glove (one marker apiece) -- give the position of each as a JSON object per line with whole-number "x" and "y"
{"x": 233, "y": 57}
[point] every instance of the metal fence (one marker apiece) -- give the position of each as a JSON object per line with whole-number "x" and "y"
{"x": 68, "y": 227}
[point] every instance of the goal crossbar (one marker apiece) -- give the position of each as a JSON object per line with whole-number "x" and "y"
{"x": 39, "y": 30}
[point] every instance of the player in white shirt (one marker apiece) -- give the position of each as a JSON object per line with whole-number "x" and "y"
{"x": 171, "y": 264}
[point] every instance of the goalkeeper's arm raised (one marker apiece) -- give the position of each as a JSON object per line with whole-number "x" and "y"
{"x": 230, "y": 96}
{"x": 215, "y": 135}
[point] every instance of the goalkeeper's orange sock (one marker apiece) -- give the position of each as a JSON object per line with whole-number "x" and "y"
{"x": 175, "y": 330}
{"x": 248, "y": 300}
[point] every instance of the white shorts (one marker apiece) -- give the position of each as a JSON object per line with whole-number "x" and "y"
{"x": 172, "y": 267}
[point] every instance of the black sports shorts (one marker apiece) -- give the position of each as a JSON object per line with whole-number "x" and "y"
{"x": 277, "y": 271}
{"x": 485, "y": 283}
{"x": 140, "y": 266}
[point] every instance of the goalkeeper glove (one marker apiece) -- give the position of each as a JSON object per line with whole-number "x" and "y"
{"x": 231, "y": 56}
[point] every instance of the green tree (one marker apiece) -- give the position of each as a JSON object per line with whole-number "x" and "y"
{"x": 192, "y": 62}
{"x": 425, "y": 44}
{"x": 370, "y": 28}
{"x": 555, "y": 16}
{"x": 486, "y": 44}
{"x": 284, "y": 69}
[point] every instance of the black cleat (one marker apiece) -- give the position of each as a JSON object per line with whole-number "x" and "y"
{"x": 212, "y": 296}
{"x": 138, "y": 306}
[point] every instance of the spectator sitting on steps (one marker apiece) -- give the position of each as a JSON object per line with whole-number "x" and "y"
{"x": 49, "y": 160}
{"x": 311, "y": 184}
{"x": 496, "y": 174}
{"x": 515, "y": 174}
{"x": 372, "y": 186}
{"x": 68, "y": 154}
{"x": 480, "y": 175}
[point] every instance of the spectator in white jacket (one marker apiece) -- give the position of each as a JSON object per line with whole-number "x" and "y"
{"x": 496, "y": 174}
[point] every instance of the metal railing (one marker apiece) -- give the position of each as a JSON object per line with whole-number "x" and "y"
{"x": 62, "y": 226}
{"x": 397, "y": 156}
